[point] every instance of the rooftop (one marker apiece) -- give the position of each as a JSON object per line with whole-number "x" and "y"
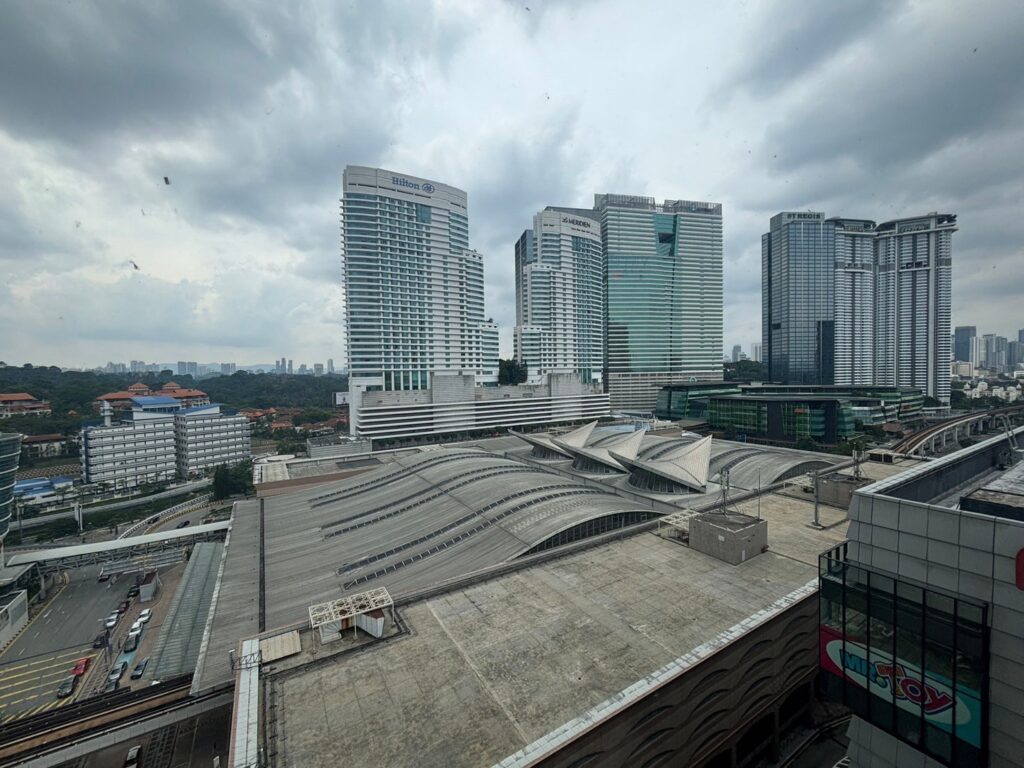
{"x": 493, "y": 667}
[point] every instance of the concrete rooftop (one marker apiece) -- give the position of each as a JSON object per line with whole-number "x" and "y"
{"x": 492, "y": 667}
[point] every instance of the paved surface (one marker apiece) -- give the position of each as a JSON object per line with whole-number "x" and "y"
{"x": 191, "y": 744}
{"x": 35, "y": 663}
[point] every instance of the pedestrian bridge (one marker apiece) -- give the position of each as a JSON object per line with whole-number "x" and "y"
{"x": 103, "y": 552}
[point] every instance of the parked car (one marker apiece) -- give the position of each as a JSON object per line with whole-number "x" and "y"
{"x": 67, "y": 687}
{"x": 123, "y": 606}
{"x": 111, "y": 621}
{"x": 103, "y": 577}
{"x": 183, "y": 523}
{"x": 112, "y": 685}
{"x": 117, "y": 671}
{"x": 100, "y": 640}
{"x": 133, "y": 591}
{"x": 134, "y": 757}
{"x": 146, "y": 615}
{"x": 81, "y": 666}
{"x": 140, "y": 669}
{"x": 131, "y": 643}
{"x": 153, "y": 519}
{"x": 136, "y": 627}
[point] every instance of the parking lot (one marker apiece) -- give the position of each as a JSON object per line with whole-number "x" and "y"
{"x": 42, "y": 656}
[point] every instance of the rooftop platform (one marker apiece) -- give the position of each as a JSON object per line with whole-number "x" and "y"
{"x": 501, "y": 669}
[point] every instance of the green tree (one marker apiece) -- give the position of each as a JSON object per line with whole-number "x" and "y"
{"x": 511, "y": 372}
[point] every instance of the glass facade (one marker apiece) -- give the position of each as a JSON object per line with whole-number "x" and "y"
{"x": 663, "y": 295}
{"x": 10, "y": 453}
{"x": 690, "y": 401}
{"x": 798, "y": 295}
{"x": 909, "y": 660}
{"x": 825, "y": 420}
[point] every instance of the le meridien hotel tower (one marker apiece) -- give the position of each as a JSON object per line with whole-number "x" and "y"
{"x": 663, "y": 295}
{"x": 414, "y": 290}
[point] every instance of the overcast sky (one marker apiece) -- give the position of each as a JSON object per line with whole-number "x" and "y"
{"x": 251, "y": 110}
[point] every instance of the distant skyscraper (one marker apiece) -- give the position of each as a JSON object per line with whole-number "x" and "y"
{"x": 798, "y": 298}
{"x": 737, "y": 350}
{"x": 1020, "y": 335}
{"x": 330, "y": 365}
{"x": 962, "y": 336}
{"x": 226, "y": 369}
{"x": 560, "y": 294}
{"x": 414, "y": 289}
{"x": 913, "y": 263}
{"x": 663, "y": 295}
{"x": 289, "y": 366}
{"x": 318, "y": 369}
{"x": 192, "y": 369}
{"x": 182, "y": 367}
{"x": 755, "y": 352}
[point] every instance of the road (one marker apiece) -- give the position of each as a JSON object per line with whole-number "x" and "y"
{"x": 31, "y": 522}
{"x": 35, "y": 663}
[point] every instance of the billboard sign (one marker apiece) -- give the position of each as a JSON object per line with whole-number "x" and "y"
{"x": 902, "y": 681}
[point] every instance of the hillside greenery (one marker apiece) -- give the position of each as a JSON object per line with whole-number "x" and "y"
{"x": 71, "y": 393}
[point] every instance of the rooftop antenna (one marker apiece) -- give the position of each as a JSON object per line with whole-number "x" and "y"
{"x": 723, "y": 481}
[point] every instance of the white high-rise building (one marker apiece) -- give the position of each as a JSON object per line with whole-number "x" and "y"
{"x": 414, "y": 289}
{"x": 559, "y": 295}
{"x": 853, "y": 246}
{"x": 913, "y": 287}
{"x": 138, "y": 449}
{"x": 755, "y": 352}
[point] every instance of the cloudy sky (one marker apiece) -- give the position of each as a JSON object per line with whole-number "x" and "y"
{"x": 251, "y": 110}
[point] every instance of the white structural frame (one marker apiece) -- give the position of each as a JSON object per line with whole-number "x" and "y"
{"x": 333, "y": 613}
{"x": 678, "y": 520}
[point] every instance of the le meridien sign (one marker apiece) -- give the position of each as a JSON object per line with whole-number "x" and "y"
{"x": 576, "y": 222}
{"x": 401, "y": 181}
{"x": 902, "y": 682}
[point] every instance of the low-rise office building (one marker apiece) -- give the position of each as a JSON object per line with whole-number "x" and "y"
{"x": 137, "y": 449}
{"x": 205, "y": 438}
{"x": 453, "y": 405}
{"x": 158, "y": 440}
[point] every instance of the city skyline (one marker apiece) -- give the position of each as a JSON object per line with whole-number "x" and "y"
{"x": 235, "y": 255}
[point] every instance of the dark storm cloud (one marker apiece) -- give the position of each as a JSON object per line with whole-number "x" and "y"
{"x": 77, "y": 72}
{"x": 795, "y": 38}
{"x": 943, "y": 78}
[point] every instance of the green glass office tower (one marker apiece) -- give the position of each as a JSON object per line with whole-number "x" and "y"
{"x": 663, "y": 295}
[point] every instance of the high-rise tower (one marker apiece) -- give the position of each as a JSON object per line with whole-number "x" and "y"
{"x": 559, "y": 295}
{"x": 798, "y": 297}
{"x": 854, "y": 312}
{"x": 414, "y": 290}
{"x": 663, "y": 295}
{"x": 913, "y": 287}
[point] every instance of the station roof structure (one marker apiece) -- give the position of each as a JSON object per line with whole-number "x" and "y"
{"x": 687, "y": 466}
{"x": 539, "y": 655}
{"x": 407, "y": 525}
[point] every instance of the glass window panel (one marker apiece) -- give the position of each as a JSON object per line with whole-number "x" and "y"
{"x": 938, "y": 743}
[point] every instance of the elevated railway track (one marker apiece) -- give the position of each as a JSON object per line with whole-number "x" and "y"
{"x": 81, "y": 728}
{"x": 933, "y": 439}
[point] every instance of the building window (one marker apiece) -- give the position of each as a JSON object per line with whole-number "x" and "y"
{"x": 909, "y": 660}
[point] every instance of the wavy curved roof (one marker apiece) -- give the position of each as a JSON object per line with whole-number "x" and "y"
{"x": 416, "y": 522}
{"x": 686, "y": 465}
{"x": 606, "y": 449}
{"x": 561, "y": 446}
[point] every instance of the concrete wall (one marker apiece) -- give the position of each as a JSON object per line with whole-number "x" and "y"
{"x": 729, "y": 537}
{"x": 13, "y": 617}
{"x": 736, "y": 688}
{"x": 962, "y": 552}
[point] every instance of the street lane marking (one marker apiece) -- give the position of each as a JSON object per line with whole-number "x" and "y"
{"x": 54, "y": 596}
{"x": 79, "y": 651}
{"x": 55, "y": 663}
